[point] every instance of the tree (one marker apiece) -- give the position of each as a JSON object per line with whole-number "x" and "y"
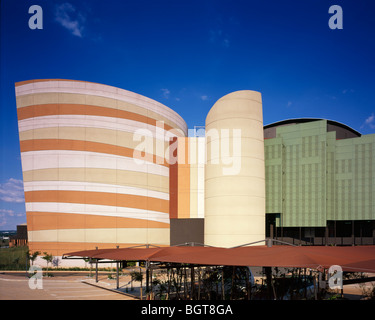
{"x": 88, "y": 260}
{"x": 48, "y": 258}
{"x": 137, "y": 276}
{"x": 33, "y": 256}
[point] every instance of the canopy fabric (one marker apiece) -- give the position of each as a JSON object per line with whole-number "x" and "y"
{"x": 353, "y": 258}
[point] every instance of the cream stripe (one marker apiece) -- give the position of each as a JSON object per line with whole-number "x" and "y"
{"x": 106, "y": 176}
{"x": 101, "y": 210}
{"x": 137, "y": 141}
{"x": 88, "y": 121}
{"x": 93, "y": 187}
{"x": 47, "y": 159}
{"x": 100, "y": 90}
{"x": 102, "y": 235}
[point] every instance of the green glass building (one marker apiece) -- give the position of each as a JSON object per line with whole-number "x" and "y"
{"x": 319, "y": 183}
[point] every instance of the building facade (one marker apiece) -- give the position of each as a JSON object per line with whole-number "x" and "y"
{"x": 320, "y": 178}
{"x": 95, "y": 165}
{"x": 105, "y": 167}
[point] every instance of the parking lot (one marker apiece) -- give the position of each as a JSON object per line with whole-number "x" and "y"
{"x": 67, "y": 287}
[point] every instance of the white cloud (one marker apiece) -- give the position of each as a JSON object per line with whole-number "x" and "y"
{"x": 8, "y": 217}
{"x": 12, "y": 191}
{"x": 166, "y": 93}
{"x": 3, "y": 220}
{"x": 370, "y": 122}
{"x": 289, "y": 103}
{"x": 347, "y": 90}
{"x": 218, "y": 36}
{"x": 204, "y": 98}
{"x": 10, "y": 212}
{"x": 67, "y": 15}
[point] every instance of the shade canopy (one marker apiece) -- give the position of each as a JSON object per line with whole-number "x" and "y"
{"x": 354, "y": 258}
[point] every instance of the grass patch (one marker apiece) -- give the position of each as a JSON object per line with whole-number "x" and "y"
{"x": 13, "y": 258}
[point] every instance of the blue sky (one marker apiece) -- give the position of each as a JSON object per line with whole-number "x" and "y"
{"x": 188, "y": 54}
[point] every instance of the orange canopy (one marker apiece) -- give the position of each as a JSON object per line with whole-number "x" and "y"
{"x": 354, "y": 258}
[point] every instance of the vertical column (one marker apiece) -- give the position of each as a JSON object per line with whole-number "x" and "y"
{"x": 235, "y": 171}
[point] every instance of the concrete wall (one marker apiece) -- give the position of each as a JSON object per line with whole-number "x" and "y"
{"x": 234, "y": 178}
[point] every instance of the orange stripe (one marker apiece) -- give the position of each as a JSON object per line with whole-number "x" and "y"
{"x": 99, "y": 198}
{"x": 40, "y": 110}
{"x": 60, "y": 248}
{"x": 79, "y": 145}
{"x": 52, "y": 220}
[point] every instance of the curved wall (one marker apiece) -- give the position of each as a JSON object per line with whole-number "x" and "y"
{"x": 83, "y": 187}
{"x": 235, "y": 183}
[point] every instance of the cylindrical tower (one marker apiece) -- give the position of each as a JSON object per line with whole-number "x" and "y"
{"x": 235, "y": 172}
{"x": 95, "y": 165}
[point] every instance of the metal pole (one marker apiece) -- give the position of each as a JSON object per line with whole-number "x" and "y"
{"x": 353, "y": 236}
{"x": 315, "y": 289}
{"x": 96, "y": 268}
{"x": 117, "y": 275}
{"x": 192, "y": 279}
{"x": 268, "y": 271}
{"x": 222, "y": 284}
{"x": 96, "y": 271}
{"x": 269, "y": 243}
{"x": 232, "y": 288}
{"x": 147, "y": 277}
{"x": 151, "y": 293}
{"x": 326, "y": 236}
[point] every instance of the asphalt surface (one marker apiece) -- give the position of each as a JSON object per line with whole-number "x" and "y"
{"x": 78, "y": 286}
{"x": 60, "y": 287}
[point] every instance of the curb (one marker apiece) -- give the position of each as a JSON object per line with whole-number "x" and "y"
{"x": 112, "y": 290}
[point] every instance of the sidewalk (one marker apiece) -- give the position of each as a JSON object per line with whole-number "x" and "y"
{"x": 124, "y": 285}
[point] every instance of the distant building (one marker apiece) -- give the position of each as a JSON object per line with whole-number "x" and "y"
{"x": 20, "y": 238}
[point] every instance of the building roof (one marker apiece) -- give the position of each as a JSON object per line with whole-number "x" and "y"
{"x": 331, "y": 125}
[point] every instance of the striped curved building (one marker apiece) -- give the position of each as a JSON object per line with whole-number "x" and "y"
{"x": 95, "y": 165}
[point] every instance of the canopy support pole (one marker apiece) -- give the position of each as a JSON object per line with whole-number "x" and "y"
{"x": 222, "y": 284}
{"x": 268, "y": 242}
{"x": 268, "y": 271}
{"x": 117, "y": 275}
{"x": 96, "y": 268}
{"x": 147, "y": 264}
{"x": 192, "y": 279}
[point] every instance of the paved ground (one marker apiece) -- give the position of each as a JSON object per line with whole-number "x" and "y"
{"x": 16, "y": 287}
{"x": 76, "y": 286}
